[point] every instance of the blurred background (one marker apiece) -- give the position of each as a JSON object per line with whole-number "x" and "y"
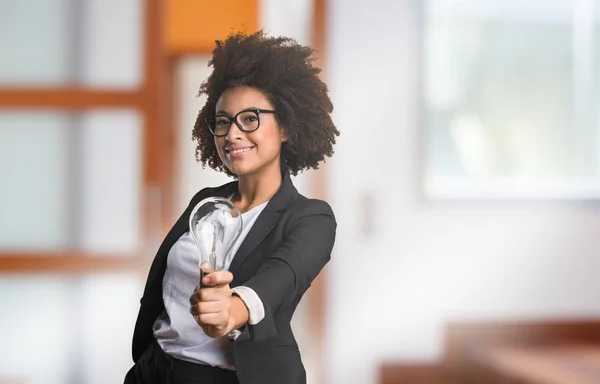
{"x": 465, "y": 182}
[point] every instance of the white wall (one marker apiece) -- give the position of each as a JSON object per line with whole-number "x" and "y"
{"x": 426, "y": 262}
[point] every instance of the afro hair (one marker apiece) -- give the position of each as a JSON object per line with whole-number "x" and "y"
{"x": 283, "y": 70}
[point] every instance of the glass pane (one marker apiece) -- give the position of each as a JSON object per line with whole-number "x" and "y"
{"x": 70, "y": 180}
{"x": 112, "y": 43}
{"x": 74, "y": 330}
{"x": 509, "y": 93}
{"x": 34, "y": 41}
{"x": 34, "y": 167}
{"x": 111, "y": 163}
{"x": 58, "y": 42}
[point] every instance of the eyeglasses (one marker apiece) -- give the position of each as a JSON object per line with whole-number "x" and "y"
{"x": 248, "y": 121}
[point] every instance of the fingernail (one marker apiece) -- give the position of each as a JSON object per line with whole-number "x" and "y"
{"x": 206, "y": 280}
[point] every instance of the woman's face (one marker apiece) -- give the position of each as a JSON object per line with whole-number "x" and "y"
{"x": 246, "y": 153}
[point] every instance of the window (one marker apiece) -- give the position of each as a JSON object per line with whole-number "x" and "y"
{"x": 512, "y": 98}
{"x": 80, "y": 206}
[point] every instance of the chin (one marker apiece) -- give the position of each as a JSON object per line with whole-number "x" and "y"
{"x": 246, "y": 168}
{"x": 240, "y": 170}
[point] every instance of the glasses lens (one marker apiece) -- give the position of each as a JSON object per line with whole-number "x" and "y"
{"x": 219, "y": 125}
{"x": 248, "y": 120}
{"x": 210, "y": 122}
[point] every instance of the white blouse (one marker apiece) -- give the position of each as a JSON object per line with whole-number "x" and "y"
{"x": 176, "y": 331}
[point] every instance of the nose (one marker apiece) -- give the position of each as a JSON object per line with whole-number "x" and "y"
{"x": 235, "y": 133}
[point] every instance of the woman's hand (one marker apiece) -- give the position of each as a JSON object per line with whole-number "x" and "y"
{"x": 215, "y": 309}
{"x": 211, "y": 305}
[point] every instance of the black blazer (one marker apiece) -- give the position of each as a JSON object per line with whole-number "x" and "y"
{"x": 286, "y": 248}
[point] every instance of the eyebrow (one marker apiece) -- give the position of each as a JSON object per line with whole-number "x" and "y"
{"x": 221, "y": 112}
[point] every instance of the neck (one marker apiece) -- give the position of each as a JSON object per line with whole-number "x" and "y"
{"x": 256, "y": 189}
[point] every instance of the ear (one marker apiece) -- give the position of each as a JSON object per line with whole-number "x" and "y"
{"x": 283, "y": 135}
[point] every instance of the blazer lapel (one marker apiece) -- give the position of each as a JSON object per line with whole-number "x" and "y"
{"x": 266, "y": 221}
{"x": 262, "y": 226}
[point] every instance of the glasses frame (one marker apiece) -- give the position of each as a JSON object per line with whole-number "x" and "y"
{"x": 233, "y": 119}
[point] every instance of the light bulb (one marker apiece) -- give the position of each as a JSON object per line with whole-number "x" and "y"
{"x": 215, "y": 225}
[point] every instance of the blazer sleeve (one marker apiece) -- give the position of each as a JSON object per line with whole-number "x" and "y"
{"x": 290, "y": 270}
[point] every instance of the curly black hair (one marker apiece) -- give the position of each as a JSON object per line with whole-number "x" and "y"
{"x": 283, "y": 70}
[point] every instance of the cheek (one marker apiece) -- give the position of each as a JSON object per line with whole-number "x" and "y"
{"x": 219, "y": 144}
{"x": 269, "y": 139}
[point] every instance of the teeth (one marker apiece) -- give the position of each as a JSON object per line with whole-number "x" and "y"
{"x": 239, "y": 150}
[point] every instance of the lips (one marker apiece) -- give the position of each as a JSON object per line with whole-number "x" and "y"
{"x": 240, "y": 150}
{"x": 237, "y": 152}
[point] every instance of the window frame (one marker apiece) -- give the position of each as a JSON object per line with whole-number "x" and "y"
{"x": 157, "y": 158}
{"x": 495, "y": 189}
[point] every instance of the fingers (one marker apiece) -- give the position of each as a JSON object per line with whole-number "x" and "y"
{"x": 211, "y": 304}
{"x": 217, "y": 319}
{"x": 212, "y": 322}
{"x": 217, "y": 278}
{"x": 208, "y": 307}
{"x": 215, "y": 286}
{"x": 212, "y": 316}
{"x": 210, "y": 294}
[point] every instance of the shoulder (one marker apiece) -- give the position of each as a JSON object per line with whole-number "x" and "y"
{"x": 311, "y": 221}
{"x": 305, "y": 207}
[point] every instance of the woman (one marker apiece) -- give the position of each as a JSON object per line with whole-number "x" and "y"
{"x": 267, "y": 116}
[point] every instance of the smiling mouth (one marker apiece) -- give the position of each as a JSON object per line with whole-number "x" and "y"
{"x": 238, "y": 151}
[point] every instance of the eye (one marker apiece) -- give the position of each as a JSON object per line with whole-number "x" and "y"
{"x": 250, "y": 119}
{"x": 222, "y": 122}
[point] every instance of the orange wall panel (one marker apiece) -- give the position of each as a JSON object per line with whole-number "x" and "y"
{"x": 192, "y": 26}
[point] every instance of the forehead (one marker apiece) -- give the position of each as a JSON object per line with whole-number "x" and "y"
{"x": 236, "y": 99}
